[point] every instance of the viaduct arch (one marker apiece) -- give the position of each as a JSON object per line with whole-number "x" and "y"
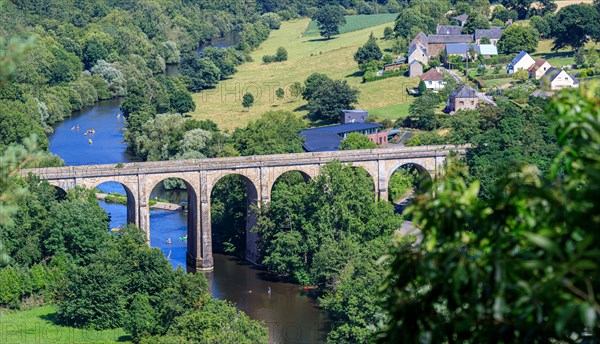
{"x": 260, "y": 173}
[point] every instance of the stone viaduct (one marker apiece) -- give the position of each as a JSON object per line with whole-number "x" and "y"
{"x": 259, "y": 172}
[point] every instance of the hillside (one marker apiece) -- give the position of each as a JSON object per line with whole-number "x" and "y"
{"x": 306, "y": 55}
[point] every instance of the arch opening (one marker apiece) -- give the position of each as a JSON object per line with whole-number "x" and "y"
{"x": 406, "y": 180}
{"x": 59, "y": 193}
{"x": 173, "y": 219}
{"x": 112, "y": 196}
{"x": 232, "y": 198}
{"x": 289, "y": 178}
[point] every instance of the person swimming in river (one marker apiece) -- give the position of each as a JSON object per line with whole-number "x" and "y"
{"x": 90, "y": 141}
{"x": 169, "y": 241}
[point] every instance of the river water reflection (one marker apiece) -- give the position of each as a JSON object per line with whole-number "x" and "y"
{"x": 291, "y": 315}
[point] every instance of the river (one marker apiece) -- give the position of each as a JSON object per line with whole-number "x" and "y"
{"x": 291, "y": 315}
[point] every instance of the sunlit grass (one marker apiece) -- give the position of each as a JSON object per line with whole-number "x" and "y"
{"x": 38, "y": 326}
{"x": 306, "y": 55}
{"x": 355, "y": 23}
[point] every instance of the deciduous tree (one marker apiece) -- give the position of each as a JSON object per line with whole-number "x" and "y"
{"x": 330, "y": 99}
{"x": 357, "y": 141}
{"x": 516, "y": 38}
{"x": 574, "y": 25}
{"x": 329, "y": 19}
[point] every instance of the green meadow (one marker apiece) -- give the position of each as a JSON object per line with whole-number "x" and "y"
{"x": 334, "y": 57}
{"x": 38, "y": 325}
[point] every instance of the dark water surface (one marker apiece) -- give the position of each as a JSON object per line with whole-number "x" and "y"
{"x": 291, "y": 315}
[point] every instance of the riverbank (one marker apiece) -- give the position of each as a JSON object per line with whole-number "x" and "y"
{"x": 158, "y": 204}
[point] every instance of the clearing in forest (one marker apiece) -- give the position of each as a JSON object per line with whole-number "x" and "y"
{"x": 385, "y": 98}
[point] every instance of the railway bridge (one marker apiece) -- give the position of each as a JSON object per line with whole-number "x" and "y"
{"x": 259, "y": 172}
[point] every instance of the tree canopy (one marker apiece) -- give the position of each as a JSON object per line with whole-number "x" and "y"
{"x": 329, "y": 19}
{"x": 516, "y": 38}
{"x": 368, "y": 52}
{"x": 357, "y": 141}
{"x": 330, "y": 98}
{"x": 526, "y": 251}
{"x": 574, "y": 25}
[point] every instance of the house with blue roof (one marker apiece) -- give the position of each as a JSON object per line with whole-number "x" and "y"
{"x": 329, "y": 138}
{"x": 457, "y": 49}
{"x": 326, "y": 139}
{"x": 523, "y": 61}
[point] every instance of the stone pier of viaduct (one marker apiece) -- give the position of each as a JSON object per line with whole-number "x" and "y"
{"x": 260, "y": 173}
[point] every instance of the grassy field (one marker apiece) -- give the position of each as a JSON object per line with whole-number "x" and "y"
{"x": 498, "y": 82}
{"x": 306, "y": 55}
{"x": 354, "y": 23}
{"x": 37, "y": 326}
{"x": 562, "y": 3}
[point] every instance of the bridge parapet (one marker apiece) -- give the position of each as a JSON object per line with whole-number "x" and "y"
{"x": 232, "y": 163}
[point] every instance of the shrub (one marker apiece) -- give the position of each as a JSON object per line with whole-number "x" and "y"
{"x": 280, "y": 56}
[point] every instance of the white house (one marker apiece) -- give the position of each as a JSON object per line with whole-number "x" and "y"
{"x": 556, "y": 79}
{"x": 523, "y": 61}
{"x": 539, "y": 68}
{"x": 433, "y": 79}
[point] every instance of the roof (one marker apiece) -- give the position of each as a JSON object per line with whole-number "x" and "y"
{"x": 462, "y": 17}
{"x": 432, "y": 75}
{"x": 518, "y": 58}
{"x": 464, "y": 91}
{"x": 537, "y": 65}
{"x": 553, "y": 72}
{"x": 327, "y": 139}
{"x": 450, "y": 39}
{"x": 415, "y": 47}
{"x": 421, "y": 38}
{"x": 457, "y": 48}
{"x": 489, "y": 33}
{"x": 487, "y": 49}
{"x": 449, "y": 30}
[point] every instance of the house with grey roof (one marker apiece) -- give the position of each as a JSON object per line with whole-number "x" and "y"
{"x": 461, "y": 19}
{"x": 493, "y": 34}
{"x": 449, "y": 30}
{"x": 437, "y": 43}
{"x": 557, "y": 79}
{"x": 457, "y": 49}
{"x": 421, "y": 39}
{"x": 463, "y": 98}
{"x": 418, "y": 52}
